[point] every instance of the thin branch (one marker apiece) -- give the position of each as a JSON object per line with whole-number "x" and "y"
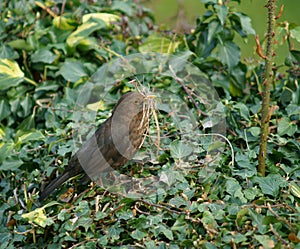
{"x": 268, "y": 79}
{"x": 277, "y": 216}
{"x": 279, "y": 237}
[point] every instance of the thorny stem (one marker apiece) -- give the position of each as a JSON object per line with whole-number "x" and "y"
{"x": 268, "y": 78}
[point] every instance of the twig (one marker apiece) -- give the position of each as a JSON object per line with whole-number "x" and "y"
{"x": 82, "y": 243}
{"x": 284, "y": 205}
{"x": 277, "y": 216}
{"x": 279, "y": 237}
{"x": 162, "y": 207}
{"x": 116, "y": 209}
{"x": 140, "y": 211}
{"x": 44, "y": 7}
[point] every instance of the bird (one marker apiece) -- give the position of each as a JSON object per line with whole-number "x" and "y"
{"x": 114, "y": 143}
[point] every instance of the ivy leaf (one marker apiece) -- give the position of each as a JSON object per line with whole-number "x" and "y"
{"x": 178, "y": 201}
{"x": 29, "y": 136}
{"x": 271, "y": 184}
{"x": 295, "y": 189}
{"x": 38, "y": 216}
{"x": 72, "y": 71}
{"x": 11, "y": 165}
{"x": 105, "y": 17}
{"x": 244, "y": 22}
{"x": 246, "y": 167}
{"x": 180, "y": 150}
{"x": 235, "y": 190}
{"x": 138, "y": 234}
{"x": 229, "y": 54}
{"x": 162, "y": 229}
{"x": 21, "y": 44}
{"x": 10, "y": 74}
{"x": 286, "y": 127}
{"x": 295, "y": 33}
{"x": 63, "y": 23}
{"x": 222, "y": 12}
{"x": 83, "y": 31}
{"x": 44, "y": 56}
{"x": 6, "y": 52}
{"x": 123, "y": 7}
{"x": 158, "y": 43}
{"x": 4, "y": 109}
{"x": 265, "y": 241}
{"x": 114, "y": 232}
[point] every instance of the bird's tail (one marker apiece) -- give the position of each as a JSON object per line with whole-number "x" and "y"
{"x": 54, "y": 184}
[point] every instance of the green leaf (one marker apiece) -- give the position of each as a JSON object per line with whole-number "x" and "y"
{"x": 27, "y": 124}
{"x": 11, "y": 164}
{"x": 122, "y": 6}
{"x": 21, "y": 44}
{"x": 138, "y": 234}
{"x": 245, "y": 23}
{"x": 105, "y": 17}
{"x": 214, "y": 27}
{"x": 4, "y": 109}
{"x": 229, "y": 53}
{"x": 84, "y": 30}
{"x": 38, "y": 216}
{"x": 64, "y": 215}
{"x": 6, "y": 52}
{"x": 72, "y": 71}
{"x": 63, "y": 23}
{"x": 295, "y": 189}
{"x": 178, "y": 201}
{"x": 271, "y": 184}
{"x": 100, "y": 215}
{"x": 167, "y": 232}
{"x": 246, "y": 167}
{"x": 234, "y": 189}
{"x": 222, "y": 11}
{"x": 244, "y": 111}
{"x": 252, "y": 193}
{"x": 159, "y": 44}
{"x": 44, "y": 56}
{"x": 209, "y": 219}
{"x": 6, "y": 148}
{"x": 180, "y": 150}
{"x": 114, "y": 232}
{"x": 30, "y": 136}
{"x": 10, "y": 74}
{"x": 286, "y": 127}
{"x": 295, "y": 33}
{"x": 215, "y": 145}
{"x": 265, "y": 241}
{"x": 255, "y": 131}
{"x": 293, "y": 109}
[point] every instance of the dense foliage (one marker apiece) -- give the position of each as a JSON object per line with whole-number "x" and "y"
{"x": 51, "y": 52}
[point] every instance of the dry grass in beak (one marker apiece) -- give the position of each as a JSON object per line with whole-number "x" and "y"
{"x": 149, "y": 109}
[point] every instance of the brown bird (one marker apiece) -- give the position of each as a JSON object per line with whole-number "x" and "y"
{"x": 114, "y": 143}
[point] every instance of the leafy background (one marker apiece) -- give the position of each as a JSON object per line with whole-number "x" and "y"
{"x": 47, "y": 58}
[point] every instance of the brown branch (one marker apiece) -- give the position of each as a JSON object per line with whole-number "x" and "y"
{"x": 268, "y": 79}
{"x": 279, "y": 237}
{"x": 277, "y": 216}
